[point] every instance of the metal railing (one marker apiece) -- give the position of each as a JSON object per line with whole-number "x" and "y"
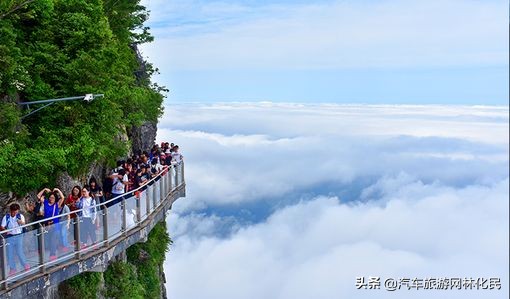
{"x": 44, "y": 245}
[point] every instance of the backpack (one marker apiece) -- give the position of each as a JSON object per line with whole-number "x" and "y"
{"x": 8, "y": 220}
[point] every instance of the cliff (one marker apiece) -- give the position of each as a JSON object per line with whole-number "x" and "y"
{"x": 55, "y": 49}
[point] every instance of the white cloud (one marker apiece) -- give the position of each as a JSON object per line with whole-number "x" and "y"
{"x": 329, "y": 35}
{"x": 316, "y": 249}
{"x": 430, "y": 198}
{"x": 249, "y": 152}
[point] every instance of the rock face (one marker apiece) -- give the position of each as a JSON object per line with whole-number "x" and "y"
{"x": 162, "y": 280}
{"x": 6, "y": 199}
{"x": 65, "y": 183}
{"x": 143, "y": 137}
{"x": 143, "y": 255}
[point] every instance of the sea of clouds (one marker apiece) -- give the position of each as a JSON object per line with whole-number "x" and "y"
{"x": 297, "y": 200}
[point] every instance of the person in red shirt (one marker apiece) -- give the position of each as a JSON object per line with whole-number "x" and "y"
{"x": 72, "y": 199}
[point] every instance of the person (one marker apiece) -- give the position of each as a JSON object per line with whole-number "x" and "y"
{"x": 12, "y": 222}
{"x": 131, "y": 172}
{"x": 96, "y": 191}
{"x": 65, "y": 223}
{"x": 120, "y": 181}
{"x": 146, "y": 175}
{"x": 136, "y": 182}
{"x": 163, "y": 165}
{"x": 37, "y": 212}
{"x": 88, "y": 215}
{"x": 176, "y": 156}
{"x": 51, "y": 209}
{"x": 108, "y": 181}
{"x": 72, "y": 199}
{"x": 176, "y": 161}
{"x": 168, "y": 158}
{"x": 144, "y": 159}
{"x": 155, "y": 168}
{"x": 162, "y": 158}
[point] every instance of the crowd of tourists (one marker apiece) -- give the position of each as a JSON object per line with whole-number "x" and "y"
{"x": 129, "y": 174}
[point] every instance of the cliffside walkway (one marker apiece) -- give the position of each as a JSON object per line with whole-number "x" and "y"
{"x": 119, "y": 226}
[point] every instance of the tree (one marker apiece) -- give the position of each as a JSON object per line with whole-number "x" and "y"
{"x": 60, "y": 48}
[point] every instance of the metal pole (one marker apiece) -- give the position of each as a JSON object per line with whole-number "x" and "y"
{"x": 105, "y": 225}
{"x": 138, "y": 209}
{"x": 40, "y": 108}
{"x": 40, "y": 242}
{"x": 163, "y": 177}
{"x": 176, "y": 175}
{"x": 182, "y": 171}
{"x": 169, "y": 182}
{"x": 87, "y": 98}
{"x": 161, "y": 189}
{"x": 154, "y": 195}
{"x": 170, "y": 177}
{"x": 124, "y": 218}
{"x": 148, "y": 197}
{"x": 3, "y": 252}
{"x": 77, "y": 241}
{"x": 60, "y": 100}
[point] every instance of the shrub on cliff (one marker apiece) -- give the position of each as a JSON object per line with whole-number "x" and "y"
{"x": 148, "y": 269}
{"x": 121, "y": 280}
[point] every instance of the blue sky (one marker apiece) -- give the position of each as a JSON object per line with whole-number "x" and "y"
{"x": 393, "y": 51}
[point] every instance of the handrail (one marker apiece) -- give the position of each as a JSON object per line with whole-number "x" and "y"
{"x": 162, "y": 185}
{"x": 27, "y": 225}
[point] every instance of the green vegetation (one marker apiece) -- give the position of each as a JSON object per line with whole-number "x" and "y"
{"x": 148, "y": 269}
{"x": 138, "y": 278}
{"x": 84, "y": 286}
{"x": 122, "y": 282}
{"x": 61, "y": 48}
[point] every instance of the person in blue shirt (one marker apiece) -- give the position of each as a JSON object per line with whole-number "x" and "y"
{"x": 51, "y": 212}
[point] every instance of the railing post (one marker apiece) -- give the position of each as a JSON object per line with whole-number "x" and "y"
{"x": 182, "y": 172}
{"x": 176, "y": 175}
{"x": 77, "y": 241}
{"x": 138, "y": 207}
{"x": 105, "y": 225}
{"x": 40, "y": 242}
{"x": 169, "y": 179}
{"x": 164, "y": 177}
{"x": 169, "y": 182}
{"x": 161, "y": 189}
{"x": 3, "y": 253}
{"x": 169, "y": 173}
{"x": 154, "y": 195}
{"x": 124, "y": 217}
{"x": 148, "y": 198}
